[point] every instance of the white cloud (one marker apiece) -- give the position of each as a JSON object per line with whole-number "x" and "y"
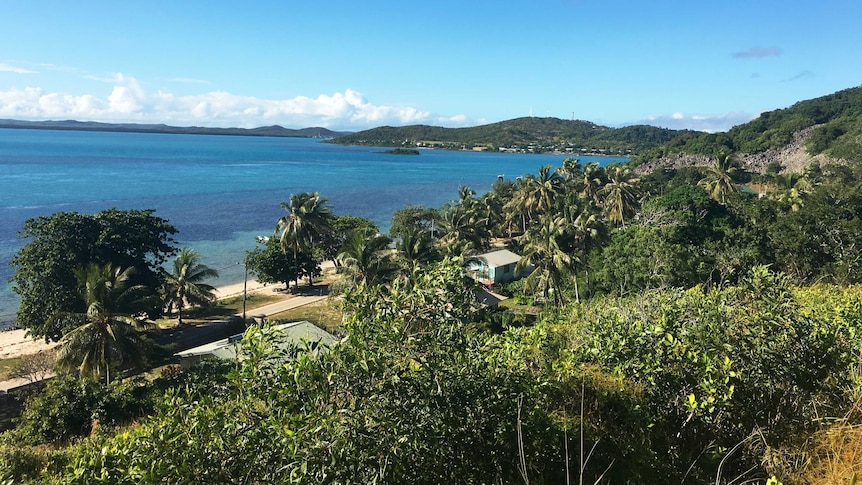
{"x": 188, "y": 80}
{"x": 128, "y": 101}
{"x": 699, "y": 122}
{"x": 17, "y": 70}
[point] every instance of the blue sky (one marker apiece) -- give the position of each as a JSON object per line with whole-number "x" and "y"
{"x": 348, "y": 65}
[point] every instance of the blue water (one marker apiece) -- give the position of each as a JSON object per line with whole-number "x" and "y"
{"x": 222, "y": 191}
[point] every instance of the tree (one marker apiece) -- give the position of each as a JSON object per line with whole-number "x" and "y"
{"x": 59, "y": 244}
{"x": 542, "y": 190}
{"x": 542, "y": 249}
{"x": 619, "y": 195}
{"x": 492, "y": 205}
{"x": 367, "y": 259}
{"x": 308, "y": 218}
{"x": 415, "y": 216}
{"x": 463, "y": 231}
{"x": 341, "y": 228}
{"x": 593, "y": 178}
{"x": 106, "y": 333}
{"x": 184, "y": 285}
{"x": 272, "y": 265}
{"x": 34, "y": 367}
{"x": 414, "y": 249}
{"x": 719, "y": 177}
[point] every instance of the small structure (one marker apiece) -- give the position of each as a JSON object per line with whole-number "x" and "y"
{"x": 493, "y": 268}
{"x": 225, "y": 349}
{"x": 488, "y": 298}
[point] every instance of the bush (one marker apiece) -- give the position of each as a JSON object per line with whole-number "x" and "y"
{"x": 19, "y": 464}
{"x": 718, "y": 366}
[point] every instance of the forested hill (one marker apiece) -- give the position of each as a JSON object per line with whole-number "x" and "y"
{"x": 522, "y": 134}
{"x": 274, "y": 130}
{"x": 829, "y": 126}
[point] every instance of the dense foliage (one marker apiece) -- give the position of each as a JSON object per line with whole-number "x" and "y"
{"x": 671, "y": 386}
{"x": 836, "y": 118}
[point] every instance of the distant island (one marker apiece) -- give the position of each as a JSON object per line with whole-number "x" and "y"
{"x": 402, "y": 151}
{"x": 522, "y": 135}
{"x": 274, "y": 130}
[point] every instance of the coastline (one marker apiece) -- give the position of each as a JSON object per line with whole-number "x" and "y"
{"x": 16, "y": 343}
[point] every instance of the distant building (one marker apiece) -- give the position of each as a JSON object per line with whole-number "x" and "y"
{"x": 225, "y": 349}
{"x": 494, "y": 268}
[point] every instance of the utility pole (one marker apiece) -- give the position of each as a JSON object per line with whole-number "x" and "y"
{"x": 244, "y": 289}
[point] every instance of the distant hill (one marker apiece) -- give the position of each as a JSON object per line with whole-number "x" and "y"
{"x": 522, "y": 135}
{"x": 824, "y": 128}
{"x": 274, "y": 130}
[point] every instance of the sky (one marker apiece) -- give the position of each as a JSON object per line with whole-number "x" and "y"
{"x": 348, "y": 65}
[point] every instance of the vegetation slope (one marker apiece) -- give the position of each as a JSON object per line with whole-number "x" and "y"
{"x": 527, "y": 134}
{"x": 832, "y": 127}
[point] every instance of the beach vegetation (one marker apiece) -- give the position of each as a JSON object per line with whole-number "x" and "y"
{"x": 185, "y": 284}
{"x": 342, "y": 226}
{"x": 366, "y": 259}
{"x": 106, "y": 336}
{"x": 62, "y": 243}
{"x": 308, "y": 218}
{"x": 415, "y": 217}
{"x": 33, "y": 367}
{"x": 272, "y": 265}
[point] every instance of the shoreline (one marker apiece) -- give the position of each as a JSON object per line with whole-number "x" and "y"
{"x": 15, "y": 343}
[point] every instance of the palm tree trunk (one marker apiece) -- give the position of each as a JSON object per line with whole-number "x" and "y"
{"x": 577, "y": 291}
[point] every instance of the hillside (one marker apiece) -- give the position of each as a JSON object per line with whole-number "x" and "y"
{"x": 73, "y": 125}
{"x": 824, "y": 129}
{"x": 522, "y": 135}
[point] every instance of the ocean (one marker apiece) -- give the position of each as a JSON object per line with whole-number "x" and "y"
{"x": 222, "y": 191}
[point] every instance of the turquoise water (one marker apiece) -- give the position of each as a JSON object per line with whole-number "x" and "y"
{"x": 222, "y": 191}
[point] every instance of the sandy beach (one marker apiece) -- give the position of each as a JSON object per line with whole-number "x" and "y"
{"x": 15, "y": 343}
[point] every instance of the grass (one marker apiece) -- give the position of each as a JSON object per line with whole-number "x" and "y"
{"x": 325, "y": 313}
{"x": 234, "y": 304}
{"x": 6, "y": 366}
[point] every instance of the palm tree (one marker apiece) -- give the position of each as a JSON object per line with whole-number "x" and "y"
{"x": 106, "y": 333}
{"x": 308, "y": 218}
{"x": 593, "y": 179}
{"x": 791, "y": 189}
{"x": 463, "y": 231}
{"x": 538, "y": 193}
{"x": 366, "y": 258}
{"x": 719, "y": 178}
{"x": 620, "y": 195}
{"x": 414, "y": 249}
{"x": 541, "y": 248}
{"x": 184, "y": 285}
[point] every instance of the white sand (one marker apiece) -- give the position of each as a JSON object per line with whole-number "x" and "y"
{"x": 14, "y": 343}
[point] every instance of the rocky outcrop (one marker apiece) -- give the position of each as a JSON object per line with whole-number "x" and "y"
{"x": 793, "y": 157}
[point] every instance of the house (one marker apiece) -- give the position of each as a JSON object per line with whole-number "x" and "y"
{"x": 295, "y": 333}
{"x": 493, "y": 268}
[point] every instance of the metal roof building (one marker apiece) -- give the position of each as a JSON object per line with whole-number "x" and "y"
{"x": 295, "y": 332}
